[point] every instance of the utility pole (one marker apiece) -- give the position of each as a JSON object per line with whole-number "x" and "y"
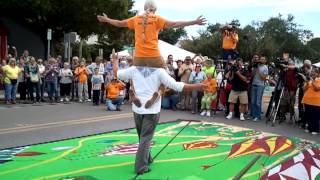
{"x": 49, "y": 37}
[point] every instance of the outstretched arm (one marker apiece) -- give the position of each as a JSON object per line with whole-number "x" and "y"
{"x": 115, "y": 63}
{"x": 114, "y": 22}
{"x": 177, "y": 24}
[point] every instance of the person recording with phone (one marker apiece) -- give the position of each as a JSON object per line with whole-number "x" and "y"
{"x": 65, "y": 82}
{"x": 238, "y": 77}
{"x": 304, "y": 75}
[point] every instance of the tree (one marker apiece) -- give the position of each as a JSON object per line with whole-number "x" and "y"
{"x": 172, "y": 35}
{"x": 314, "y": 44}
{"x": 271, "y": 38}
{"x": 67, "y": 16}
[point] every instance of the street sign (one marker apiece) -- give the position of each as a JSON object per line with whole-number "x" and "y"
{"x": 49, "y": 34}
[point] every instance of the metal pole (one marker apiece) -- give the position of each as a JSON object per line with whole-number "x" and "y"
{"x": 69, "y": 48}
{"x": 48, "y": 54}
{"x": 80, "y": 49}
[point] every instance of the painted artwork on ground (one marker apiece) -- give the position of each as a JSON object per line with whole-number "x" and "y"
{"x": 197, "y": 150}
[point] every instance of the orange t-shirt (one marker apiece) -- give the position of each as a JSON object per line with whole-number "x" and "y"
{"x": 229, "y": 42}
{"x": 113, "y": 90}
{"x": 312, "y": 97}
{"x": 82, "y": 73}
{"x": 149, "y": 47}
{"x": 212, "y": 85}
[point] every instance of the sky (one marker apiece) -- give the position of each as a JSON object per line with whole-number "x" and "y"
{"x": 306, "y": 12}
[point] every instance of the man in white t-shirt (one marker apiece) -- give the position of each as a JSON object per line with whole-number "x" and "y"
{"x": 146, "y": 81}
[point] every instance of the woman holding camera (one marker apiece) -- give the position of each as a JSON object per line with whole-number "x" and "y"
{"x": 311, "y": 101}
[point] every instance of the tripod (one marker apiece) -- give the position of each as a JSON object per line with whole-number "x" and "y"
{"x": 273, "y": 108}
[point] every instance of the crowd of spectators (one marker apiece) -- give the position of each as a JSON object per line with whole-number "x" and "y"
{"x": 235, "y": 86}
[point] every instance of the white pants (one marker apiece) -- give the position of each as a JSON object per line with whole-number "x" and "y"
{"x": 83, "y": 88}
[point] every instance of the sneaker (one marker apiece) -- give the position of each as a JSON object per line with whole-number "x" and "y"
{"x": 88, "y": 100}
{"x": 203, "y": 113}
{"x": 256, "y": 119}
{"x": 314, "y": 133}
{"x": 242, "y": 117}
{"x": 174, "y": 108}
{"x": 61, "y": 100}
{"x": 193, "y": 112}
{"x": 208, "y": 113}
{"x": 67, "y": 99}
{"x": 307, "y": 131}
{"x": 229, "y": 116}
{"x": 80, "y": 101}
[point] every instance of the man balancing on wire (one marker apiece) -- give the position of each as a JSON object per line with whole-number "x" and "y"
{"x": 147, "y": 74}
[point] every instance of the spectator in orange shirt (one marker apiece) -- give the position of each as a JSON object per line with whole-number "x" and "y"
{"x": 113, "y": 99}
{"x": 229, "y": 42}
{"x": 209, "y": 95}
{"x": 311, "y": 101}
{"x": 82, "y": 73}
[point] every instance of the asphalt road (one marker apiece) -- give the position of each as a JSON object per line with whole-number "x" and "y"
{"x": 22, "y": 125}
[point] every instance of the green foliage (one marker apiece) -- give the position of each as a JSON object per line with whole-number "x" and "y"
{"x": 172, "y": 35}
{"x": 271, "y": 37}
{"x": 69, "y": 16}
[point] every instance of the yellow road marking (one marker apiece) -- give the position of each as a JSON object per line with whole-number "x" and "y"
{"x": 64, "y": 123}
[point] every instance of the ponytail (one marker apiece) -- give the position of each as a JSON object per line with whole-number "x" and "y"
{"x": 144, "y": 24}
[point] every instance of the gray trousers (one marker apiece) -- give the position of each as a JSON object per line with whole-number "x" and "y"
{"x": 145, "y": 126}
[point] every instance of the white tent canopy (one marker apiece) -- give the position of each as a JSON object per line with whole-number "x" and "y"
{"x": 317, "y": 64}
{"x": 165, "y": 50}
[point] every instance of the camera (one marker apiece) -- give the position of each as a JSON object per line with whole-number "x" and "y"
{"x": 256, "y": 63}
{"x": 280, "y": 62}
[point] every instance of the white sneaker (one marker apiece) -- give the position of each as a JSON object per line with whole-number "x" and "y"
{"x": 208, "y": 113}
{"x": 314, "y": 133}
{"x": 242, "y": 117}
{"x": 256, "y": 119}
{"x": 80, "y": 100}
{"x": 306, "y": 130}
{"x": 67, "y": 99}
{"x": 61, "y": 100}
{"x": 203, "y": 113}
{"x": 88, "y": 100}
{"x": 229, "y": 116}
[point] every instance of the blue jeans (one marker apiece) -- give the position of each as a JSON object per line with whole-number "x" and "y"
{"x": 256, "y": 101}
{"x": 170, "y": 101}
{"x": 10, "y": 91}
{"x": 113, "y": 104}
{"x": 53, "y": 89}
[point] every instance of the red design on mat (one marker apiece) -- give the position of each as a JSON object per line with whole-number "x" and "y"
{"x": 199, "y": 145}
{"x": 29, "y": 154}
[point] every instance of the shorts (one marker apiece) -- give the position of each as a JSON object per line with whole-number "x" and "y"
{"x": 229, "y": 52}
{"x": 242, "y": 95}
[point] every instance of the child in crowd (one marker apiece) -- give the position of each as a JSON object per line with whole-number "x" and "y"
{"x": 209, "y": 95}
{"x": 82, "y": 74}
{"x": 96, "y": 80}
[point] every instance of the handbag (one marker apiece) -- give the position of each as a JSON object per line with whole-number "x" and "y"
{"x": 34, "y": 78}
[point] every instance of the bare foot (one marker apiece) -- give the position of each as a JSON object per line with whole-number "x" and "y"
{"x": 151, "y": 101}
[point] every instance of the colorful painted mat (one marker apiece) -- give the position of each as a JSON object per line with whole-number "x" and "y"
{"x": 197, "y": 150}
